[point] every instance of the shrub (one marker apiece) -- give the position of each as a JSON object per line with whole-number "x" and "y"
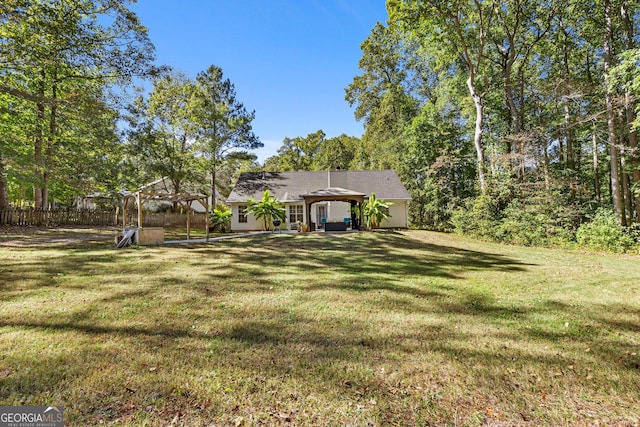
{"x": 523, "y": 225}
{"x": 604, "y": 233}
{"x": 221, "y": 218}
{"x": 478, "y": 218}
{"x": 375, "y": 210}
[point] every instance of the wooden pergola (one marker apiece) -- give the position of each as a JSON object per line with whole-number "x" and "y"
{"x": 334, "y": 194}
{"x": 185, "y": 200}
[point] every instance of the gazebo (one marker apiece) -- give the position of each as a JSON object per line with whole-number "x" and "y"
{"x": 141, "y": 197}
{"x": 335, "y": 194}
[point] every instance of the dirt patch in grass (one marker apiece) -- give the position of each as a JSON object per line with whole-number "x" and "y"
{"x": 31, "y": 237}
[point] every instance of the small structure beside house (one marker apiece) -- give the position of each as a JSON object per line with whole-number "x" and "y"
{"x": 163, "y": 185}
{"x": 158, "y": 195}
{"x": 323, "y": 200}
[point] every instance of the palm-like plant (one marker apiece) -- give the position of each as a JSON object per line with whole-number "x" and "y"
{"x": 221, "y": 218}
{"x": 375, "y": 210}
{"x": 267, "y": 209}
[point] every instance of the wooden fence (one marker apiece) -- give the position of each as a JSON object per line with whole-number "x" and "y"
{"x": 164, "y": 219}
{"x": 65, "y": 217}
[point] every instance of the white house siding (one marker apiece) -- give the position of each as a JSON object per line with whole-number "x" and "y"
{"x": 254, "y": 224}
{"x": 251, "y": 224}
{"x": 399, "y": 215}
{"x": 336, "y": 211}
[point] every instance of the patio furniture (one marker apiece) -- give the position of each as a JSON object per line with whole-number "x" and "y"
{"x": 335, "y": 226}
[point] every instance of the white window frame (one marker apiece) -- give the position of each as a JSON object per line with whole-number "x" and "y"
{"x": 294, "y": 217}
{"x": 242, "y": 214}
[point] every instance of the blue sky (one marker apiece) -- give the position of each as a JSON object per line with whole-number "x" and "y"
{"x": 290, "y": 60}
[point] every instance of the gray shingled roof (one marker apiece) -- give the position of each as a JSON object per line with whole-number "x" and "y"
{"x": 291, "y": 186}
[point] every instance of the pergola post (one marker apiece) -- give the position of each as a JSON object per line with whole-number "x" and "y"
{"x": 139, "y": 202}
{"x": 124, "y": 213}
{"x": 333, "y": 195}
{"x": 189, "y": 219}
{"x": 205, "y": 202}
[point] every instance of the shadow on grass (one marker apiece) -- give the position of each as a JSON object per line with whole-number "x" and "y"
{"x": 363, "y": 261}
{"x": 413, "y": 311}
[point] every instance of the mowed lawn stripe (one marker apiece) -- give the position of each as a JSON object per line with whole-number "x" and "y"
{"x": 384, "y": 328}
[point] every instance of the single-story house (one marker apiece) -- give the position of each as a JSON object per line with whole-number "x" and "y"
{"x": 320, "y": 199}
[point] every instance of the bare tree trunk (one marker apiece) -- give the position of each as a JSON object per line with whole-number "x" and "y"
{"x": 4, "y": 196}
{"x": 613, "y": 149}
{"x": 624, "y": 176}
{"x": 214, "y": 200}
{"x": 625, "y": 185}
{"x": 561, "y": 151}
{"x": 545, "y": 152}
{"x": 477, "y": 137}
{"x": 38, "y": 143}
{"x": 454, "y": 185}
{"x": 627, "y": 210}
{"x": 568, "y": 137}
{"x": 596, "y": 174}
{"x": 630, "y": 116}
{"x": 566, "y": 129}
{"x": 514, "y": 117}
{"x": 51, "y": 140}
{"x": 633, "y": 146}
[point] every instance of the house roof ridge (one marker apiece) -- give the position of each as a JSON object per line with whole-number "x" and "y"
{"x": 292, "y": 185}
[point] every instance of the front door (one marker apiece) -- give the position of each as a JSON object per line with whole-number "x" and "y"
{"x": 321, "y": 212}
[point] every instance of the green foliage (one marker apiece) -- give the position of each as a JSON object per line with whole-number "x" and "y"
{"x": 479, "y": 217}
{"x": 604, "y": 233}
{"x": 267, "y": 209}
{"x": 186, "y": 129}
{"x": 525, "y": 219}
{"x": 433, "y": 166}
{"x": 336, "y": 153}
{"x": 161, "y": 134}
{"x": 522, "y": 225}
{"x": 627, "y": 75}
{"x": 375, "y": 211}
{"x": 297, "y": 154}
{"x": 221, "y": 218}
{"x": 223, "y": 124}
{"x": 314, "y": 152}
{"x": 59, "y": 61}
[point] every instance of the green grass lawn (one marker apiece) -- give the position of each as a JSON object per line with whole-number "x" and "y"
{"x": 389, "y": 328}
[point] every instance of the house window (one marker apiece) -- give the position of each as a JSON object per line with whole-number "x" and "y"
{"x": 242, "y": 213}
{"x": 296, "y": 213}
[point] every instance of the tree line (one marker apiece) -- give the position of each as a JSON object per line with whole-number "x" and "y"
{"x": 515, "y": 121}
{"x": 500, "y": 115}
{"x": 73, "y": 117}
{"x": 510, "y": 120}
